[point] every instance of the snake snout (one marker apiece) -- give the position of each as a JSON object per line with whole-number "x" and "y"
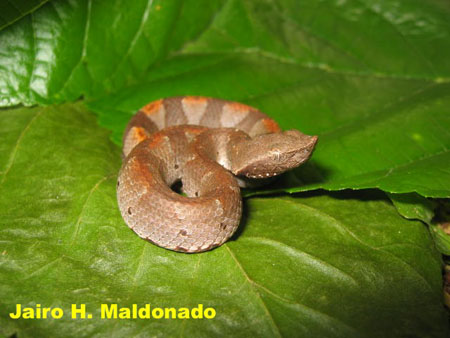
{"x": 273, "y": 154}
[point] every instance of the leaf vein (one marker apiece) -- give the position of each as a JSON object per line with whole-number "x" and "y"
{"x": 12, "y": 157}
{"x": 83, "y": 49}
{"x": 78, "y": 222}
{"x": 274, "y": 326}
{"x": 325, "y": 267}
{"x": 133, "y": 40}
{"x": 338, "y": 224}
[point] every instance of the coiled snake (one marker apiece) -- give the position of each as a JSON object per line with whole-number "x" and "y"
{"x": 213, "y": 146}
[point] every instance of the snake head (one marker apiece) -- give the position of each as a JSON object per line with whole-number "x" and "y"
{"x": 272, "y": 154}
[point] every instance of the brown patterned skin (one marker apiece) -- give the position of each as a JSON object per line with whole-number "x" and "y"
{"x": 213, "y": 146}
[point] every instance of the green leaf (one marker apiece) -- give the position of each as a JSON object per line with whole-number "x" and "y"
{"x": 71, "y": 48}
{"x": 414, "y": 206}
{"x": 13, "y": 10}
{"x": 328, "y": 265}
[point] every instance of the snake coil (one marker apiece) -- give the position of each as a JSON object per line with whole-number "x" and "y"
{"x": 213, "y": 147}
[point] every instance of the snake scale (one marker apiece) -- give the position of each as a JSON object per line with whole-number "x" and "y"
{"x": 213, "y": 147}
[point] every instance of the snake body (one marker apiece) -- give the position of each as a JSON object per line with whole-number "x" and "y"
{"x": 213, "y": 147}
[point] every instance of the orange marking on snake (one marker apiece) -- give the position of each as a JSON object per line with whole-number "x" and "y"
{"x": 144, "y": 176}
{"x": 156, "y": 139}
{"x": 139, "y": 134}
{"x": 239, "y": 107}
{"x": 271, "y": 125}
{"x": 195, "y": 99}
{"x": 152, "y": 107}
{"x": 194, "y": 129}
{"x": 143, "y": 169}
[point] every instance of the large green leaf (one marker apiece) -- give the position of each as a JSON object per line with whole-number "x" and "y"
{"x": 371, "y": 79}
{"x": 343, "y": 265}
{"x": 71, "y": 48}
